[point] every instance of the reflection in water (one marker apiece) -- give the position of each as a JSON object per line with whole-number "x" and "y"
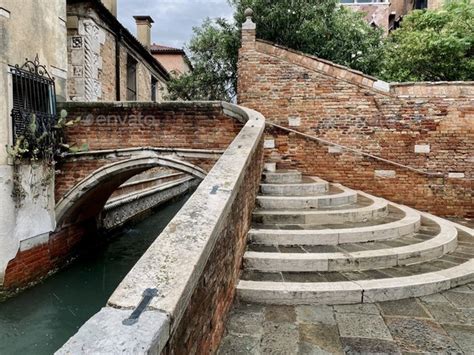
{"x": 42, "y": 319}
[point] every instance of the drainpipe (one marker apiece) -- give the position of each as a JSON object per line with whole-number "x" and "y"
{"x": 118, "y": 39}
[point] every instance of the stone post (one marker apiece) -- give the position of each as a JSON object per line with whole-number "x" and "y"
{"x": 248, "y": 30}
{"x": 246, "y": 53}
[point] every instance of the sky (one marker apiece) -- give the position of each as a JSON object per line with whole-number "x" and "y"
{"x": 174, "y": 19}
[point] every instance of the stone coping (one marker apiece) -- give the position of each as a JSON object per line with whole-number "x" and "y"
{"x": 416, "y": 89}
{"x": 175, "y": 261}
{"x": 155, "y": 178}
{"x": 141, "y": 104}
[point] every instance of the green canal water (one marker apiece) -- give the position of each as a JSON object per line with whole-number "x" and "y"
{"x": 40, "y": 320}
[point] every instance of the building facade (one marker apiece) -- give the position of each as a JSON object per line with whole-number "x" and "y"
{"x": 386, "y": 14}
{"x": 106, "y": 62}
{"x": 174, "y": 60}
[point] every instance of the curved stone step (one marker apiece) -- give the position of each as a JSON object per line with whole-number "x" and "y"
{"x": 283, "y": 177}
{"x": 309, "y": 186}
{"x": 409, "y": 224}
{"x": 344, "y": 197}
{"x": 378, "y": 209}
{"x": 444, "y": 242}
{"x": 352, "y": 292}
{"x": 400, "y": 282}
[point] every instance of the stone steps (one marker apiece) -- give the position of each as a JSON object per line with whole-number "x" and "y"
{"x": 350, "y": 292}
{"x": 407, "y": 225}
{"x": 317, "y": 248}
{"x": 283, "y": 177}
{"x": 375, "y": 208}
{"x": 343, "y": 196}
{"x": 309, "y": 186}
{"x": 444, "y": 242}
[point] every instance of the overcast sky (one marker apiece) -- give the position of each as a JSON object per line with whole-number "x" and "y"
{"x": 174, "y": 19}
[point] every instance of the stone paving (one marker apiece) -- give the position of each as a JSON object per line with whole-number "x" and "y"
{"x": 440, "y": 323}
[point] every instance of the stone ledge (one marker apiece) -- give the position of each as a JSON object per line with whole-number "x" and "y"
{"x": 175, "y": 261}
{"x": 105, "y": 333}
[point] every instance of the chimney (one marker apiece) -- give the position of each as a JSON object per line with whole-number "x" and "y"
{"x": 144, "y": 24}
{"x": 111, "y": 5}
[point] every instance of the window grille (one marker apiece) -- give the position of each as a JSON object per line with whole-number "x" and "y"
{"x": 34, "y": 98}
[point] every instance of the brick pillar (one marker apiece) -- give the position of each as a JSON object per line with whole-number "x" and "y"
{"x": 247, "y": 50}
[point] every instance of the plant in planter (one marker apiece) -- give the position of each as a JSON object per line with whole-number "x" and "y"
{"x": 39, "y": 147}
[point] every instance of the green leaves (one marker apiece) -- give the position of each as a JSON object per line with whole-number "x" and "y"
{"x": 321, "y": 28}
{"x": 214, "y": 53}
{"x": 432, "y": 45}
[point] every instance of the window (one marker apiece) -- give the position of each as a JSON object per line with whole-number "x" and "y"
{"x": 154, "y": 88}
{"x": 131, "y": 79}
{"x": 33, "y": 96}
{"x": 421, "y": 4}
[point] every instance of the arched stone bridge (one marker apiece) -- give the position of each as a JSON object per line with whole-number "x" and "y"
{"x": 123, "y": 140}
{"x": 126, "y": 139}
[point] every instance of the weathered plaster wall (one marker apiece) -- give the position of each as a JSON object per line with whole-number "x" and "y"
{"x": 426, "y": 126}
{"x": 173, "y": 63}
{"x": 27, "y": 29}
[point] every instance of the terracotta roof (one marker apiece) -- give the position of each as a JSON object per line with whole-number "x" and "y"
{"x": 159, "y": 48}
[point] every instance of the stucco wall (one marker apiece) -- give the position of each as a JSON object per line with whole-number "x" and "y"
{"x": 27, "y": 29}
{"x": 173, "y": 62}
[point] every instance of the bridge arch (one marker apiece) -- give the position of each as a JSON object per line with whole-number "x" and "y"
{"x": 88, "y": 197}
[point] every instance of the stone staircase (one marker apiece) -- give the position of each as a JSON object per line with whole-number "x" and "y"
{"x": 313, "y": 242}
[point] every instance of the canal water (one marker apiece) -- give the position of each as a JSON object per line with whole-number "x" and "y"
{"x": 40, "y": 320}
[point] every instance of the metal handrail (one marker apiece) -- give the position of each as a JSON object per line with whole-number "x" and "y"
{"x": 320, "y": 140}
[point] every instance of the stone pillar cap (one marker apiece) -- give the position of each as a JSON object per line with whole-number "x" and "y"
{"x": 248, "y": 24}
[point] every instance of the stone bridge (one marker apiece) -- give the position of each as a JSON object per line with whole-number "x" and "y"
{"x": 126, "y": 139}
{"x": 123, "y": 140}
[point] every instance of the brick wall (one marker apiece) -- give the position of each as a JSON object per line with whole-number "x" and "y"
{"x": 30, "y": 266}
{"x": 425, "y": 126}
{"x": 134, "y": 125}
{"x": 176, "y": 125}
{"x": 203, "y": 323}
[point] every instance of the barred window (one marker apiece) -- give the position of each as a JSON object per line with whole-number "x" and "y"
{"x": 33, "y": 96}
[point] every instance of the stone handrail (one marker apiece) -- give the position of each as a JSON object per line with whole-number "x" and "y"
{"x": 174, "y": 263}
{"x": 356, "y": 151}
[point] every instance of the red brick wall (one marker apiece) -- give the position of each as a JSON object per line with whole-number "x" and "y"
{"x": 31, "y": 265}
{"x": 106, "y": 126}
{"x": 345, "y": 107}
{"x": 203, "y": 323}
{"x": 132, "y": 125}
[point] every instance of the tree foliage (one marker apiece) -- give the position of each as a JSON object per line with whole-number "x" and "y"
{"x": 213, "y": 54}
{"x": 320, "y": 28}
{"x": 433, "y": 45}
{"x": 430, "y": 45}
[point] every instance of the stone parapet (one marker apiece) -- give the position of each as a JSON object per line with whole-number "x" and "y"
{"x": 194, "y": 264}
